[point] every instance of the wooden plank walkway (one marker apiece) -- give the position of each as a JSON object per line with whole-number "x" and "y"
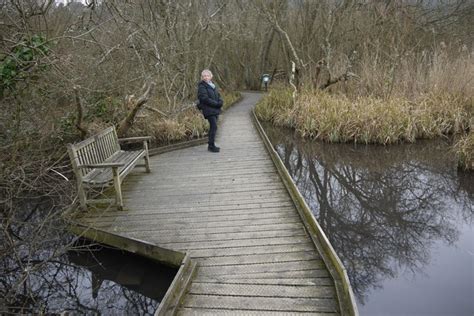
{"x": 232, "y": 214}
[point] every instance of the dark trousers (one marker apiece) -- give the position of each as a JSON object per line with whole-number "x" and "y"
{"x": 212, "y": 129}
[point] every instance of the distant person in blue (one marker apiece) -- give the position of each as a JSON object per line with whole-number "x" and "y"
{"x": 210, "y": 104}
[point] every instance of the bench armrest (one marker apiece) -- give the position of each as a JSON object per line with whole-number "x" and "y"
{"x": 102, "y": 165}
{"x": 134, "y": 139}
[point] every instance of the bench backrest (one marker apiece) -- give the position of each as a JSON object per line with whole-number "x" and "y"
{"x": 92, "y": 150}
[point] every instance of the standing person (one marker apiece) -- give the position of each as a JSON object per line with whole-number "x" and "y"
{"x": 210, "y": 103}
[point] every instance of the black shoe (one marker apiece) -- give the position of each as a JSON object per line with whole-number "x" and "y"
{"x": 213, "y": 149}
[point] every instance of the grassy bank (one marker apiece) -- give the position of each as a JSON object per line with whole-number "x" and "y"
{"x": 465, "y": 151}
{"x": 184, "y": 125}
{"x": 367, "y": 119}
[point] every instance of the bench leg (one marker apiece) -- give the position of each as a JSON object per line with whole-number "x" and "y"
{"x": 118, "y": 189}
{"x": 147, "y": 157}
{"x": 82, "y": 195}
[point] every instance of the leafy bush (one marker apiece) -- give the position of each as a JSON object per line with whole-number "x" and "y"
{"x": 24, "y": 55}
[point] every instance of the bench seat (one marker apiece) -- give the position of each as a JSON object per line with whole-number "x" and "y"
{"x": 104, "y": 176}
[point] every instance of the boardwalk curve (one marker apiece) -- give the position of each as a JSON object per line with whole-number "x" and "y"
{"x": 232, "y": 215}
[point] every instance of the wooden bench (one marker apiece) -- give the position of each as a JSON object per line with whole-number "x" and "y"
{"x": 99, "y": 162}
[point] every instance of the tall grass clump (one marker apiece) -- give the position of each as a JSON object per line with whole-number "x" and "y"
{"x": 337, "y": 118}
{"x": 465, "y": 151}
{"x": 230, "y": 98}
{"x": 368, "y": 119}
{"x": 276, "y": 107}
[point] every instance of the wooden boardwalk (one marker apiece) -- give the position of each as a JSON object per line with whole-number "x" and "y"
{"x": 233, "y": 215}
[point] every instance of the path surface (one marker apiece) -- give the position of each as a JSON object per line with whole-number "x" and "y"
{"x": 232, "y": 213}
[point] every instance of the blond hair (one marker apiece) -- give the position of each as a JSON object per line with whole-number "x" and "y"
{"x": 206, "y": 71}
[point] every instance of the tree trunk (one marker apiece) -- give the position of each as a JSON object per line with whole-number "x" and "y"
{"x": 83, "y": 132}
{"x": 127, "y": 122}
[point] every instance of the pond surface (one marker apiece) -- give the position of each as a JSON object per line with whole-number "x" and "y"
{"x": 400, "y": 218}
{"x": 94, "y": 280}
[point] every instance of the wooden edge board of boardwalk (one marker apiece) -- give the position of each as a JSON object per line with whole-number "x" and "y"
{"x": 242, "y": 235}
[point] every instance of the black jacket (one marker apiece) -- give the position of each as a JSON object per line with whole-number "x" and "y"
{"x": 210, "y": 101}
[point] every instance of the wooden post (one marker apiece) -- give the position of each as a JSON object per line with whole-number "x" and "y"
{"x": 292, "y": 79}
{"x": 118, "y": 189}
{"x": 147, "y": 157}
{"x": 78, "y": 173}
{"x": 81, "y": 192}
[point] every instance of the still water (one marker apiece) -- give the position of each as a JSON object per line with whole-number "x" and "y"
{"x": 401, "y": 218}
{"x": 94, "y": 279}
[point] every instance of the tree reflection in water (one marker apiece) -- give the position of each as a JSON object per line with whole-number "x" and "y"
{"x": 94, "y": 281}
{"x": 381, "y": 207}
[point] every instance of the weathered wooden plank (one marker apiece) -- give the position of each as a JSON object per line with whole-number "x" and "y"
{"x": 226, "y": 230}
{"x": 138, "y": 230}
{"x": 189, "y": 213}
{"x": 193, "y": 154}
{"x": 220, "y": 252}
{"x": 206, "y": 239}
{"x": 205, "y": 203}
{"x": 223, "y": 233}
{"x": 211, "y": 187}
{"x": 260, "y": 258}
{"x": 204, "y": 190}
{"x": 190, "y": 216}
{"x": 234, "y": 312}
{"x": 217, "y": 169}
{"x": 225, "y": 218}
{"x": 173, "y": 296}
{"x": 261, "y": 303}
{"x": 222, "y": 173}
{"x": 279, "y": 275}
{"x": 244, "y": 160}
{"x": 322, "y": 281}
{"x": 136, "y": 181}
{"x": 158, "y": 209}
{"x": 311, "y": 291}
{"x": 224, "y": 196}
{"x": 186, "y": 239}
{"x": 237, "y": 243}
{"x": 269, "y": 267}
{"x": 149, "y": 232}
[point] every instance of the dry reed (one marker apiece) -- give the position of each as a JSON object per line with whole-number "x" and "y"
{"x": 465, "y": 151}
{"x": 188, "y": 124}
{"x": 367, "y": 119}
{"x": 413, "y": 95}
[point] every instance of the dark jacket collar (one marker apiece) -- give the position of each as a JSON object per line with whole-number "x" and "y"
{"x": 205, "y": 83}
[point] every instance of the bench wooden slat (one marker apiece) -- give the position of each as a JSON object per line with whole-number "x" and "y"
{"x": 82, "y": 161}
{"x": 82, "y": 144}
{"x": 87, "y": 155}
{"x": 99, "y": 176}
{"x": 115, "y": 140}
{"x": 102, "y": 148}
{"x": 110, "y": 144}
